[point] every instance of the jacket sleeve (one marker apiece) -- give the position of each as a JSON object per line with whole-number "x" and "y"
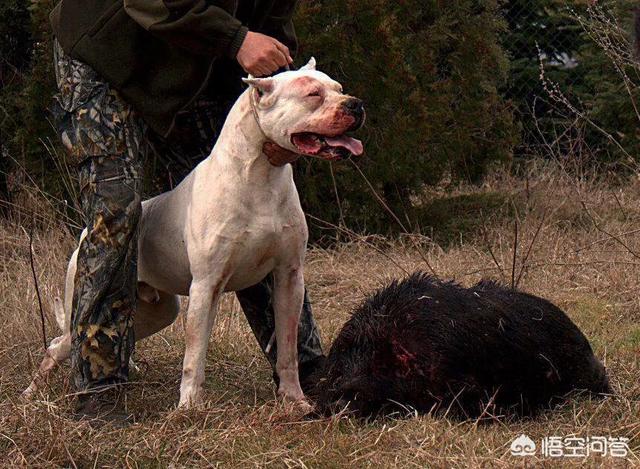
{"x": 192, "y": 24}
{"x": 279, "y": 24}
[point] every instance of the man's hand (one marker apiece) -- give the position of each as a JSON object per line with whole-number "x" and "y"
{"x": 277, "y": 155}
{"x": 261, "y": 55}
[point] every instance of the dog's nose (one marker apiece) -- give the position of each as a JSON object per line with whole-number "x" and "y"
{"x": 355, "y": 107}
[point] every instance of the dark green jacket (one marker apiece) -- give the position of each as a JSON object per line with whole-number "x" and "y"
{"x": 159, "y": 53}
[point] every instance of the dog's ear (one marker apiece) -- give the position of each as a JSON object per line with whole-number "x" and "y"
{"x": 263, "y": 85}
{"x": 311, "y": 65}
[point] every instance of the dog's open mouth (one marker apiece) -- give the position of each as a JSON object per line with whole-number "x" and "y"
{"x": 339, "y": 147}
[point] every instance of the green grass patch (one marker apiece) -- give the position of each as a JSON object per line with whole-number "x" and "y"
{"x": 447, "y": 220}
{"x": 633, "y": 338}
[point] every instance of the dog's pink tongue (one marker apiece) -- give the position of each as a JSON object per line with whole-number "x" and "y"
{"x": 352, "y": 144}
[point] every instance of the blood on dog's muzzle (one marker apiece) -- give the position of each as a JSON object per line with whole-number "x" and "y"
{"x": 355, "y": 108}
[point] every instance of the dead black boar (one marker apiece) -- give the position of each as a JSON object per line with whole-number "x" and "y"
{"x": 427, "y": 345}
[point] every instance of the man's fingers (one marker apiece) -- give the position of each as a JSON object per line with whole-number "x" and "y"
{"x": 280, "y": 59}
{"x": 281, "y": 46}
{"x": 261, "y": 72}
{"x": 274, "y": 61}
{"x": 270, "y": 60}
{"x": 258, "y": 71}
{"x": 267, "y": 67}
{"x": 285, "y": 51}
{"x": 261, "y": 55}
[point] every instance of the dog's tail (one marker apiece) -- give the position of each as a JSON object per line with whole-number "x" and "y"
{"x": 58, "y": 309}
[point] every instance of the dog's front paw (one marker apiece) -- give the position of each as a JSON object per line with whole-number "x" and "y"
{"x": 28, "y": 393}
{"x": 297, "y": 407}
{"x": 188, "y": 403}
{"x": 190, "y": 397}
{"x": 303, "y": 407}
{"x": 294, "y": 400}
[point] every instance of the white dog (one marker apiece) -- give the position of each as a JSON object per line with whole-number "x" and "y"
{"x": 234, "y": 219}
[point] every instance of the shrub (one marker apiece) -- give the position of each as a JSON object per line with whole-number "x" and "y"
{"x": 429, "y": 73}
{"x": 610, "y": 92}
{"x": 587, "y": 53}
{"x": 15, "y": 43}
{"x": 26, "y": 87}
{"x": 540, "y": 27}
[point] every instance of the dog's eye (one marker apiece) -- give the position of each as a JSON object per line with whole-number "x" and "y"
{"x": 314, "y": 94}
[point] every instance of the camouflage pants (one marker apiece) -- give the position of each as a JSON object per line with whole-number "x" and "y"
{"x": 108, "y": 143}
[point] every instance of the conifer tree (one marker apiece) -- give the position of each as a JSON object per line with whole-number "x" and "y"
{"x": 429, "y": 72}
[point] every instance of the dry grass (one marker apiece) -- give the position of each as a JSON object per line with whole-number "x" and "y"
{"x": 585, "y": 260}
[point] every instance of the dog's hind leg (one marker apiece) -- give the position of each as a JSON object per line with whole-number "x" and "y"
{"x": 58, "y": 351}
{"x": 155, "y": 311}
{"x": 150, "y": 318}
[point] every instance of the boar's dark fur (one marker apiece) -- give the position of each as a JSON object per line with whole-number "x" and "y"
{"x": 428, "y": 345}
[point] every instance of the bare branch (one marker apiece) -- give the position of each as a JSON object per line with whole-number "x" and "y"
{"x": 611, "y": 236}
{"x": 523, "y": 264}
{"x": 35, "y": 282}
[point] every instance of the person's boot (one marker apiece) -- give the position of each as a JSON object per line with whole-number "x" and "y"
{"x": 103, "y": 407}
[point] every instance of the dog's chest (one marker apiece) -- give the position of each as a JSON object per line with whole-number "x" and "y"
{"x": 243, "y": 225}
{"x": 260, "y": 244}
